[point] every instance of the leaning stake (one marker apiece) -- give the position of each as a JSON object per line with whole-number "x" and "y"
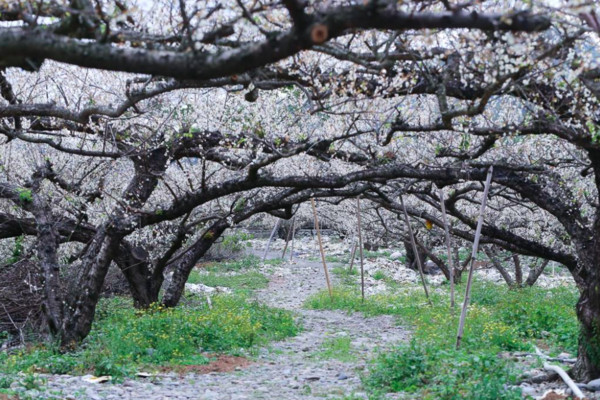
{"x": 448, "y": 247}
{"x": 271, "y": 238}
{"x": 414, "y": 246}
{"x": 463, "y": 312}
{"x": 287, "y": 238}
{"x": 312, "y": 202}
{"x": 362, "y": 260}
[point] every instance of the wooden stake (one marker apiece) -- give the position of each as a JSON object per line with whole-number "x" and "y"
{"x": 287, "y": 238}
{"x": 360, "y": 244}
{"x": 415, "y": 249}
{"x": 463, "y": 312}
{"x": 271, "y": 238}
{"x": 448, "y": 247}
{"x": 312, "y": 202}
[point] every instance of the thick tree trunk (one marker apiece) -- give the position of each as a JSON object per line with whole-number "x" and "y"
{"x": 78, "y": 322}
{"x": 588, "y": 314}
{"x": 47, "y": 248}
{"x": 186, "y": 263}
{"x": 411, "y": 261}
{"x": 518, "y": 270}
{"x": 143, "y": 284}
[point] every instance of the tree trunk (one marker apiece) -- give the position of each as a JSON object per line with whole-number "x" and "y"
{"x": 535, "y": 272}
{"x": 518, "y": 270}
{"x": 411, "y": 261}
{"x": 187, "y": 262}
{"x": 143, "y": 285}
{"x": 78, "y": 321}
{"x": 47, "y": 246}
{"x": 587, "y": 366}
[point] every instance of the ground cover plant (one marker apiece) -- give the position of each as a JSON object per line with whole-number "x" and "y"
{"x": 124, "y": 341}
{"x": 241, "y": 275}
{"x": 339, "y": 348}
{"x": 500, "y": 320}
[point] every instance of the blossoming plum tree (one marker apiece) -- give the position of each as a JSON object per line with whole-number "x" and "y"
{"x": 137, "y": 135}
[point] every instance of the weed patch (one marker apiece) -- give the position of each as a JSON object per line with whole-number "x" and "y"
{"x": 499, "y": 320}
{"x": 339, "y": 348}
{"x": 243, "y": 283}
{"x": 124, "y": 340}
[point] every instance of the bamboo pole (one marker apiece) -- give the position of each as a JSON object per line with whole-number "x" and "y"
{"x": 360, "y": 244}
{"x": 312, "y": 202}
{"x": 271, "y": 238}
{"x": 287, "y": 238}
{"x": 448, "y": 247}
{"x": 415, "y": 249}
{"x": 463, "y": 312}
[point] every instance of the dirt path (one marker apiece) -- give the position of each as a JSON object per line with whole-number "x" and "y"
{"x": 297, "y": 368}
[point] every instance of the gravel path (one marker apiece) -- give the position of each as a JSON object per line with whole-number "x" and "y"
{"x": 291, "y": 369}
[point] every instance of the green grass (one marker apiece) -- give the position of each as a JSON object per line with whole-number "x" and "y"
{"x": 339, "y": 348}
{"x": 243, "y": 283}
{"x": 379, "y": 275}
{"x": 432, "y": 373}
{"x": 375, "y": 254}
{"x": 124, "y": 340}
{"x": 342, "y": 259}
{"x": 246, "y": 263}
{"x": 239, "y": 275}
{"x": 346, "y": 276}
{"x": 499, "y": 320}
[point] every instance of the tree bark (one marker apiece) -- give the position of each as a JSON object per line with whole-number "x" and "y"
{"x": 78, "y": 322}
{"x": 587, "y": 366}
{"x": 518, "y": 270}
{"x": 186, "y": 263}
{"x": 411, "y": 260}
{"x": 535, "y": 272}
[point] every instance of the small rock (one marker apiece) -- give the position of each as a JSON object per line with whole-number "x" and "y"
{"x": 594, "y": 385}
{"x": 342, "y": 376}
{"x": 527, "y": 390}
{"x": 91, "y": 394}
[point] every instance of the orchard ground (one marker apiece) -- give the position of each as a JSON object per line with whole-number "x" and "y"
{"x": 250, "y": 330}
